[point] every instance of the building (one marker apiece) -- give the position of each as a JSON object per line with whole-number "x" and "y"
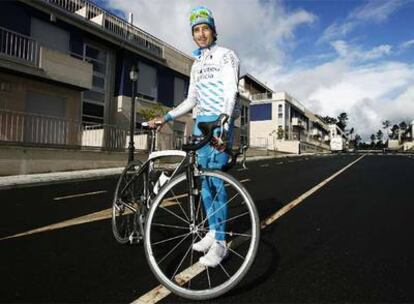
{"x": 280, "y": 122}
{"x": 64, "y": 79}
{"x": 405, "y": 140}
{"x": 248, "y": 87}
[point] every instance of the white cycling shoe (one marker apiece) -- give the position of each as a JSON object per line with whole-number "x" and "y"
{"x": 205, "y": 243}
{"x": 217, "y": 253}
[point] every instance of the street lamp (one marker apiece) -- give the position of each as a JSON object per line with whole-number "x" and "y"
{"x": 133, "y": 76}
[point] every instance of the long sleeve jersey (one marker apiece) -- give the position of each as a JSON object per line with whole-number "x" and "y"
{"x": 213, "y": 88}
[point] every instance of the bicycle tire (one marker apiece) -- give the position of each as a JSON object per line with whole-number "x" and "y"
{"x": 173, "y": 213}
{"x": 126, "y": 200}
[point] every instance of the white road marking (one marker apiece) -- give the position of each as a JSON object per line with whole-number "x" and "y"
{"x": 305, "y": 195}
{"x": 97, "y": 216}
{"x": 264, "y": 165}
{"x": 78, "y": 195}
{"x": 92, "y": 217}
{"x": 279, "y": 163}
{"x": 160, "y": 292}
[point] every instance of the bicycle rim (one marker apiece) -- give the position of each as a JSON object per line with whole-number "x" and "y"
{"x": 127, "y": 201}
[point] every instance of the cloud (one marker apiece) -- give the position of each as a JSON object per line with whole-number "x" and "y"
{"x": 407, "y": 44}
{"x": 361, "y": 81}
{"x": 352, "y": 52}
{"x": 375, "y": 11}
{"x": 259, "y": 31}
{"x": 369, "y": 93}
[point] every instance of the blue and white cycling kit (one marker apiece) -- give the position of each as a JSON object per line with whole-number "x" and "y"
{"x": 212, "y": 91}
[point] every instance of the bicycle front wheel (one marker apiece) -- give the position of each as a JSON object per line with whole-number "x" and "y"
{"x": 174, "y": 225}
{"x": 128, "y": 199}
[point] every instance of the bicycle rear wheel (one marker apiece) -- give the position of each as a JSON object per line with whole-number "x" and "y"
{"x": 170, "y": 233}
{"x": 128, "y": 200}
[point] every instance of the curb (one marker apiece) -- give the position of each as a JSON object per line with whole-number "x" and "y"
{"x": 41, "y": 179}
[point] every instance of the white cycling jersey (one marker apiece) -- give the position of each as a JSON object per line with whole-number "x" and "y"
{"x": 213, "y": 88}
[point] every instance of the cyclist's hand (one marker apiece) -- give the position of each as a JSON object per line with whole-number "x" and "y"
{"x": 156, "y": 122}
{"x": 218, "y": 143}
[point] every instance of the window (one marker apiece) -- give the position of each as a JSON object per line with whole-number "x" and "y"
{"x": 93, "y": 107}
{"x": 244, "y": 119}
{"x": 43, "y": 104}
{"x": 280, "y": 111}
{"x": 50, "y": 35}
{"x": 179, "y": 90}
{"x": 147, "y": 81}
{"x": 261, "y": 112}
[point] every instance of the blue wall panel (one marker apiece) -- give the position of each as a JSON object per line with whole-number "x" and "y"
{"x": 261, "y": 112}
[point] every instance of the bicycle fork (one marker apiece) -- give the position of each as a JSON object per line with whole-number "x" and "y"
{"x": 193, "y": 192}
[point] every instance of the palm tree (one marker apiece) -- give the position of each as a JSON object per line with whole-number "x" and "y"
{"x": 395, "y": 131}
{"x": 357, "y": 140}
{"x": 373, "y": 139}
{"x": 386, "y": 126}
{"x": 379, "y": 137}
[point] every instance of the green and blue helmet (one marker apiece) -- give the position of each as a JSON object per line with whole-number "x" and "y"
{"x": 201, "y": 15}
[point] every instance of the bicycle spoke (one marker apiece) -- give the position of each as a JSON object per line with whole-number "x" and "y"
{"x": 182, "y": 260}
{"x": 228, "y": 233}
{"x": 174, "y": 214}
{"x": 208, "y": 277}
{"x": 237, "y": 254}
{"x": 234, "y": 217}
{"x": 224, "y": 270}
{"x": 175, "y": 247}
{"x": 170, "y": 239}
{"x": 170, "y": 226}
{"x": 191, "y": 260}
{"x": 179, "y": 204}
{"x": 224, "y": 205}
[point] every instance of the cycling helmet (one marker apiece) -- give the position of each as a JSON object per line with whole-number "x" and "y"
{"x": 201, "y": 15}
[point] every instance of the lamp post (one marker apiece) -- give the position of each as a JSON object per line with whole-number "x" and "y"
{"x": 133, "y": 76}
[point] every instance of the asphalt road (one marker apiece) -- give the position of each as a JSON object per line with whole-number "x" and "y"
{"x": 349, "y": 241}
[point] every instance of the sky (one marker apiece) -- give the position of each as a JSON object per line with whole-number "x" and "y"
{"x": 334, "y": 56}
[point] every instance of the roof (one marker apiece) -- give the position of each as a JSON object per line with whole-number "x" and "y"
{"x": 251, "y": 77}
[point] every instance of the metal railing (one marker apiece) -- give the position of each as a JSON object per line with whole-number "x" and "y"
{"x": 113, "y": 24}
{"x": 16, "y": 127}
{"x": 19, "y": 46}
{"x": 19, "y": 128}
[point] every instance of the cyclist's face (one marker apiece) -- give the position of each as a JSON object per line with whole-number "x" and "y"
{"x": 203, "y": 35}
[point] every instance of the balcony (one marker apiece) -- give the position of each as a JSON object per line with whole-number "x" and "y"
{"x": 297, "y": 122}
{"x": 17, "y": 47}
{"x": 24, "y": 54}
{"x": 112, "y": 24}
{"x": 64, "y": 68}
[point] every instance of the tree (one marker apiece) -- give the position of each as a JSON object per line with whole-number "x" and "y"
{"x": 152, "y": 112}
{"x": 357, "y": 140}
{"x": 380, "y": 135}
{"x": 373, "y": 139}
{"x": 342, "y": 121}
{"x": 386, "y": 124}
{"x": 394, "y": 131}
{"x": 403, "y": 125}
{"x": 351, "y": 132}
{"x": 328, "y": 120}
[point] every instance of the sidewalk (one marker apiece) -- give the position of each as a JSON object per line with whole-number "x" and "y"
{"x": 30, "y": 180}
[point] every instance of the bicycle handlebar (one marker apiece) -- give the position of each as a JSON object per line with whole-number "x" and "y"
{"x": 207, "y": 128}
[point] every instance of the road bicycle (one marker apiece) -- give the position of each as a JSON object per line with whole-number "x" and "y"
{"x": 170, "y": 218}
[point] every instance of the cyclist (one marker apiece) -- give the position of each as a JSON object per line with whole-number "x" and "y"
{"x": 213, "y": 90}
